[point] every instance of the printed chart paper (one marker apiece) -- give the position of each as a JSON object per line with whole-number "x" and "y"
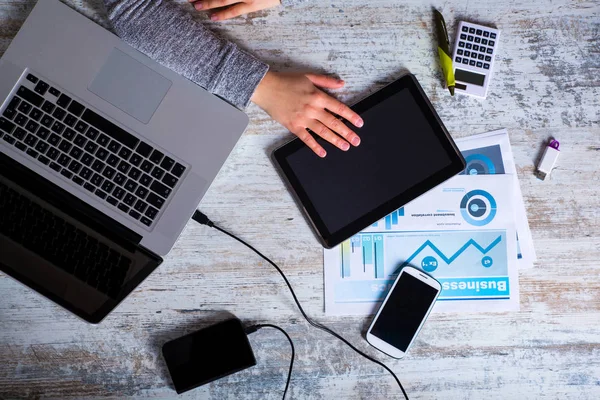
{"x": 462, "y": 232}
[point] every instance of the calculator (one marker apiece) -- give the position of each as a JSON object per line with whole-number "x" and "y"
{"x": 473, "y": 58}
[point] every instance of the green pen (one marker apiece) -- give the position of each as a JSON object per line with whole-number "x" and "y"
{"x": 444, "y": 51}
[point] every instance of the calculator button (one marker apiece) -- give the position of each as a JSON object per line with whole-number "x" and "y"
{"x": 459, "y": 52}
{"x": 479, "y": 32}
{"x": 488, "y": 58}
{"x": 486, "y": 66}
{"x": 467, "y": 53}
{"x": 491, "y": 42}
{"x": 480, "y": 56}
{"x": 479, "y": 64}
{"x": 458, "y": 59}
{"x": 471, "y": 30}
{"x": 474, "y": 55}
{"x": 477, "y": 40}
{"x": 482, "y": 49}
{"x": 470, "y": 38}
{"x": 469, "y": 46}
{"x": 492, "y": 36}
{"x": 484, "y": 41}
{"x": 490, "y": 50}
{"x": 475, "y": 47}
{"x": 465, "y": 29}
{"x": 486, "y": 34}
{"x": 472, "y": 63}
{"x": 465, "y": 61}
{"x": 461, "y": 44}
{"x": 463, "y": 36}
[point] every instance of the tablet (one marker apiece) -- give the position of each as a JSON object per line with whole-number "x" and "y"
{"x": 405, "y": 150}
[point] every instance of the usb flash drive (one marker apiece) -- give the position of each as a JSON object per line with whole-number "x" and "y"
{"x": 548, "y": 160}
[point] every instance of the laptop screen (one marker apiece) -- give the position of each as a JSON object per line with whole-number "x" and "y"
{"x": 55, "y": 244}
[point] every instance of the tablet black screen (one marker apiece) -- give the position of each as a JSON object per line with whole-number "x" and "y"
{"x": 398, "y": 149}
{"x": 404, "y": 151}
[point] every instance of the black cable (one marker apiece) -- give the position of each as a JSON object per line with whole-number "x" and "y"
{"x": 203, "y": 219}
{"x": 254, "y": 328}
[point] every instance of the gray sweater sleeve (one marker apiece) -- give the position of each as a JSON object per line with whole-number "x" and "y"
{"x": 167, "y": 33}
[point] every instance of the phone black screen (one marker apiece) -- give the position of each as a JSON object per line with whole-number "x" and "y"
{"x": 208, "y": 354}
{"x": 403, "y": 312}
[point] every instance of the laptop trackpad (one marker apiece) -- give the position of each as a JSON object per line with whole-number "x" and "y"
{"x": 130, "y": 86}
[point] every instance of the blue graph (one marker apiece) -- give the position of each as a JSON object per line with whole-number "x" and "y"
{"x": 390, "y": 219}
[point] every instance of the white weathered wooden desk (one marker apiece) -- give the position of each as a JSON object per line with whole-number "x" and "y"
{"x": 547, "y": 83}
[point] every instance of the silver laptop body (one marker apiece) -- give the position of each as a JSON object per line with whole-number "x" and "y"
{"x": 131, "y": 138}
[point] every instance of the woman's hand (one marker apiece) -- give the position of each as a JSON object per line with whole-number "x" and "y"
{"x": 232, "y": 8}
{"x": 295, "y": 102}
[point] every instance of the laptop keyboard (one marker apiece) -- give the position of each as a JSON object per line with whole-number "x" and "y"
{"x": 61, "y": 243}
{"x": 69, "y": 139}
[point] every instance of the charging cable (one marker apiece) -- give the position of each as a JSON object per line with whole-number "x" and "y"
{"x": 203, "y": 219}
{"x": 254, "y": 328}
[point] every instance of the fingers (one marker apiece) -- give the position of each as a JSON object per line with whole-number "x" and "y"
{"x": 325, "y": 81}
{"x": 310, "y": 142}
{"x": 326, "y": 133}
{"x": 210, "y": 4}
{"x": 339, "y": 108}
{"x": 231, "y": 12}
{"x": 337, "y": 126}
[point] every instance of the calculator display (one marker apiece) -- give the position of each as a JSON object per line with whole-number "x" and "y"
{"x": 469, "y": 77}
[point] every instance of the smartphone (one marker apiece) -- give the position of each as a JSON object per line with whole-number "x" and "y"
{"x": 208, "y": 354}
{"x": 403, "y": 312}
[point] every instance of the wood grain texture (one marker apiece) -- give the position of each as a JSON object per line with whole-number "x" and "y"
{"x": 547, "y": 83}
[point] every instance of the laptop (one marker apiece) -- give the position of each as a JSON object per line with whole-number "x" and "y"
{"x": 104, "y": 156}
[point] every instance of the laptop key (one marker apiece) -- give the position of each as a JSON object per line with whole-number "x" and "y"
{"x": 9, "y": 139}
{"x": 100, "y": 193}
{"x": 43, "y": 159}
{"x": 41, "y": 87}
{"x": 86, "y": 173}
{"x": 30, "y": 96}
{"x": 9, "y": 113}
{"x": 6, "y": 125}
{"x": 48, "y": 107}
{"x": 36, "y": 114}
{"x": 97, "y": 180}
{"x": 54, "y": 92}
{"x": 59, "y": 113}
{"x": 64, "y": 160}
{"x": 92, "y": 133}
{"x": 70, "y": 120}
{"x": 81, "y": 127}
{"x": 63, "y": 100}
{"x": 78, "y": 180}
{"x": 103, "y": 139}
{"x": 112, "y": 160}
{"x": 123, "y": 207}
{"x": 20, "y": 133}
{"x": 119, "y": 193}
{"x": 146, "y": 166}
{"x": 156, "y": 156}
{"x": 98, "y": 166}
{"x": 134, "y": 173}
{"x": 178, "y": 170}
{"x": 76, "y": 108}
{"x": 151, "y": 212}
{"x": 145, "y": 180}
{"x": 140, "y": 206}
{"x": 102, "y": 153}
{"x": 120, "y": 179}
{"x": 47, "y": 121}
{"x": 146, "y": 221}
{"x": 21, "y": 146}
{"x": 80, "y": 140}
{"x": 141, "y": 192}
{"x": 89, "y": 187}
{"x": 65, "y": 173}
{"x": 55, "y": 166}
{"x": 136, "y": 159}
{"x": 160, "y": 189}
{"x": 123, "y": 167}
{"x": 65, "y": 146}
{"x": 21, "y": 120}
{"x": 87, "y": 159}
{"x": 30, "y": 140}
{"x": 130, "y": 185}
{"x": 58, "y": 127}
{"x": 32, "y": 126}
{"x": 91, "y": 147}
{"x": 169, "y": 180}
{"x": 25, "y": 107}
{"x": 32, "y": 153}
{"x": 32, "y": 78}
{"x": 157, "y": 172}
{"x": 144, "y": 149}
{"x": 167, "y": 163}
{"x": 124, "y": 153}
{"x": 43, "y": 133}
{"x": 108, "y": 172}
{"x": 69, "y": 134}
{"x": 53, "y": 153}
{"x": 155, "y": 200}
{"x": 134, "y": 214}
{"x": 114, "y": 146}
{"x": 42, "y": 147}
{"x": 111, "y": 200}
{"x": 129, "y": 199}
{"x": 75, "y": 166}
{"x": 108, "y": 186}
